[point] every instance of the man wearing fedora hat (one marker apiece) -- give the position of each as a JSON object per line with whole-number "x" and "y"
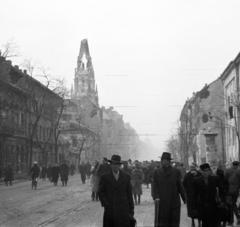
{"x": 115, "y": 194}
{"x": 167, "y": 186}
{"x": 208, "y": 196}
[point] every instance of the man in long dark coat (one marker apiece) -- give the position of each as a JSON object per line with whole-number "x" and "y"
{"x": 188, "y": 186}
{"x": 82, "y": 171}
{"x": 88, "y": 170}
{"x": 8, "y": 174}
{"x": 205, "y": 190}
{"x": 115, "y": 194}
{"x": 64, "y": 172}
{"x": 55, "y": 174}
{"x": 167, "y": 186}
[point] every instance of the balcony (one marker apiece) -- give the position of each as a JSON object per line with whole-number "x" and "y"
{"x": 7, "y": 127}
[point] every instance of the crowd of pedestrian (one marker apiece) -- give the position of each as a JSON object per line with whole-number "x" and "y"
{"x": 211, "y": 194}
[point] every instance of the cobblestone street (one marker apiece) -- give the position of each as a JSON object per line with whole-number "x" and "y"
{"x": 63, "y": 206}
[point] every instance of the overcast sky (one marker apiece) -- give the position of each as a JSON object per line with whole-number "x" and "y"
{"x": 148, "y": 56}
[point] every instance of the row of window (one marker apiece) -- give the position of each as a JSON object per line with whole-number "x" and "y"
{"x": 20, "y": 120}
{"x": 43, "y": 133}
{"x": 13, "y": 116}
{"x": 231, "y": 136}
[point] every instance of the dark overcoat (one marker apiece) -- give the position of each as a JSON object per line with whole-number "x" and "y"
{"x": 82, "y": 170}
{"x": 116, "y": 198}
{"x": 104, "y": 168}
{"x": 8, "y": 174}
{"x": 167, "y": 186}
{"x": 188, "y": 186}
{"x": 204, "y": 199}
{"x": 55, "y": 173}
{"x": 64, "y": 172}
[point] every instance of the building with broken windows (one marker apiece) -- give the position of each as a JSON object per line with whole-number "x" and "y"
{"x": 203, "y": 140}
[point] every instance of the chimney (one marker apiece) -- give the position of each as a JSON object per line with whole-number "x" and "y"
{"x": 9, "y": 62}
{"x": 25, "y": 71}
{"x": 16, "y": 66}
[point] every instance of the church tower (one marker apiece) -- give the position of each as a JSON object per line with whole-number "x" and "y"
{"x": 84, "y": 81}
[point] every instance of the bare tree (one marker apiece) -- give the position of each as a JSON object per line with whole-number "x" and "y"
{"x": 173, "y": 147}
{"x": 41, "y": 105}
{"x": 84, "y": 139}
{"x": 10, "y": 49}
{"x": 189, "y": 123}
{"x": 63, "y": 92}
{"x": 30, "y": 65}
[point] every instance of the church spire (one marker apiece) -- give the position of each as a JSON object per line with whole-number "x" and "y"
{"x": 84, "y": 81}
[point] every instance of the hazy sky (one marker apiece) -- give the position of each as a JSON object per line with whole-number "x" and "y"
{"x": 148, "y": 56}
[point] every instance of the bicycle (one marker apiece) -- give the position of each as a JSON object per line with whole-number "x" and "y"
{"x": 34, "y": 182}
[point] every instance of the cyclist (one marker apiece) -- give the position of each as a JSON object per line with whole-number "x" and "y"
{"x": 35, "y": 170}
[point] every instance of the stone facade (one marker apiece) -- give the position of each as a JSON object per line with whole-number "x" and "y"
{"x": 17, "y": 108}
{"x": 194, "y": 132}
{"x": 230, "y": 79}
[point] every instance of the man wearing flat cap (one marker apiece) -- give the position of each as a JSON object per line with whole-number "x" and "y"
{"x": 115, "y": 194}
{"x": 167, "y": 186}
{"x": 206, "y": 189}
{"x": 233, "y": 176}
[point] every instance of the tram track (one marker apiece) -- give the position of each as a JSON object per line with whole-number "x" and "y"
{"x": 45, "y": 223}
